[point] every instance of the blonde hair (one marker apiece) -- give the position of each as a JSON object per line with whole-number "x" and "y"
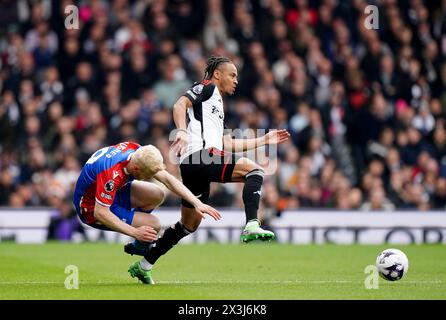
{"x": 149, "y": 161}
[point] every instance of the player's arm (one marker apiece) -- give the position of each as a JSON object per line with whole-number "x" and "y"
{"x": 239, "y": 145}
{"x": 176, "y": 186}
{"x": 179, "y": 117}
{"x": 179, "y": 112}
{"x": 107, "y": 218}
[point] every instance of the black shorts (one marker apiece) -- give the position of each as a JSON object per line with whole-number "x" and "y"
{"x": 201, "y": 168}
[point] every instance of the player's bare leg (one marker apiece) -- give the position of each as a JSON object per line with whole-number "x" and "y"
{"x": 251, "y": 174}
{"x": 144, "y": 219}
{"x": 145, "y": 196}
{"x": 190, "y": 218}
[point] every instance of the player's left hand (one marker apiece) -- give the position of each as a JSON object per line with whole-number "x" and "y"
{"x": 204, "y": 209}
{"x": 276, "y": 136}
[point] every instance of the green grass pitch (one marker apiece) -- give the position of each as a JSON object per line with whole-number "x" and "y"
{"x": 216, "y": 271}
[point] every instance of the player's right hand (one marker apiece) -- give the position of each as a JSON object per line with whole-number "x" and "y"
{"x": 145, "y": 234}
{"x": 180, "y": 144}
{"x": 204, "y": 209}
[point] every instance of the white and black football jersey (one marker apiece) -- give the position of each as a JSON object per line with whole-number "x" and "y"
{"x": 205, "y": 118}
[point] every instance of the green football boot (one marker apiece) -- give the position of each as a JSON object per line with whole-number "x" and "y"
{"x": 253, "y": 231}
{"x": 145, "y": 276}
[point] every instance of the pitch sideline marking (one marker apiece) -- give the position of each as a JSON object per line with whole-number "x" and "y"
{"x": 226, "y": 282}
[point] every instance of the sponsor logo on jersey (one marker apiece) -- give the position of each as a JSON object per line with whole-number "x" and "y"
{"x": 106, "y": 196}
{"x": 216, "y": 111}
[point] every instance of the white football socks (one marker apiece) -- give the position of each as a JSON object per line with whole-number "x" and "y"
{"x": 146, "y": 265}
{"x": 252, "y": 224}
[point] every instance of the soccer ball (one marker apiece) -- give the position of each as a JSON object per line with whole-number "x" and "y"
{"x": 392, "y": 264}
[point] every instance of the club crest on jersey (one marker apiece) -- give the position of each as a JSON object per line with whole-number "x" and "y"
{"x": 198, "y": 88}
{"x": 109, "y": 185}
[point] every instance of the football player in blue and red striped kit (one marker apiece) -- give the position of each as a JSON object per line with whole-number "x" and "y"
{"x": 112, "y": 194}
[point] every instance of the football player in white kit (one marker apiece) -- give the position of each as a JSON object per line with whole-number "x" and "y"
{"x": 207, "y": 155}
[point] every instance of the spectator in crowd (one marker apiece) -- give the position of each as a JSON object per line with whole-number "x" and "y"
{"x": 377, "y": 201}
{"x": 173, "y": 81}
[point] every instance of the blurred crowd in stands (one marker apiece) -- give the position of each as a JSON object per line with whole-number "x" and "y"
{"x": 366, "y": 108}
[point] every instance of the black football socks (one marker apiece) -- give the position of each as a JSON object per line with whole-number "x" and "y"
{"x": 252, "y": 192}
{"x": 170, "y": 238}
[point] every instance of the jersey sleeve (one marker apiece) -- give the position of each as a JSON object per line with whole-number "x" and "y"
{"x": 200, "y": 92}
{"x": 106, "y": 187}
